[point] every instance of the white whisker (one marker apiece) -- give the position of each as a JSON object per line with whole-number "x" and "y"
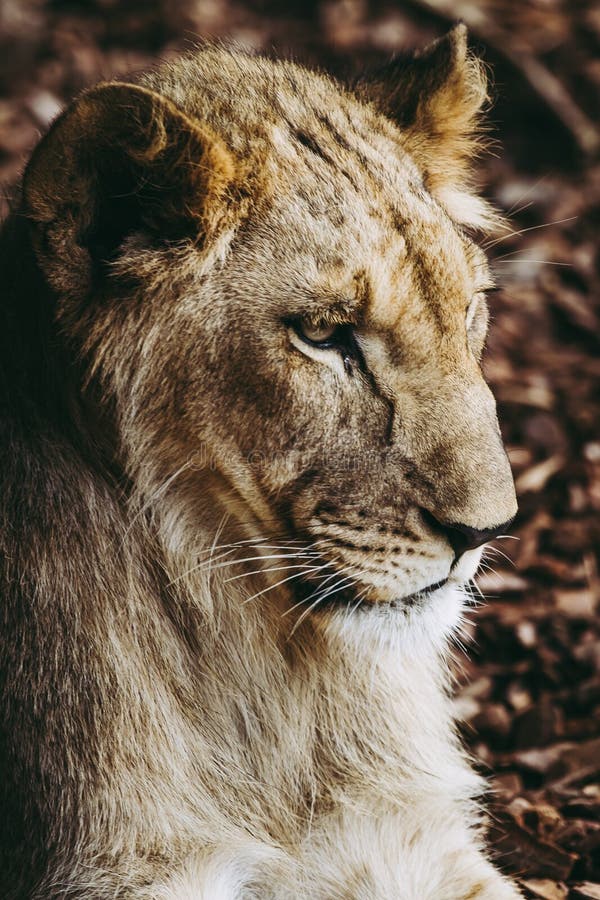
{"x": 473, "y": 582}
{"x": 272, "y": 587}
{"x": 336, "y": 588}
{"x": 209, "y": 564}
{"x": 512, "y": 234}
{"x": 316, "y": 592}
{"x": 528, "y": 259}
{"x": 512, "y": 212}
{"x": 499, "y": 552}
{"x": 271, "y": 569}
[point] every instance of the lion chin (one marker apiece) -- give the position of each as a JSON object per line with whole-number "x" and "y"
{"x": 248, "y": 464}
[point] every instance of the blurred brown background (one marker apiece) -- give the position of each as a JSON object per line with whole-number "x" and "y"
{"x": 532, "y": 700}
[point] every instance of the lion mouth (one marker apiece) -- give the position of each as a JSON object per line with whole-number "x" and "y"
{"x": 421, "y": 595}
{"x": 309, "y": 596}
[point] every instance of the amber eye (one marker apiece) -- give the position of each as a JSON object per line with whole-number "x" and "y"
{"x": 340, "y": 338}
{"x": 318, "y": 334}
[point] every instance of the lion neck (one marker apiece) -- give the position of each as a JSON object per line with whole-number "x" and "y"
{"x": 356, "y": 719}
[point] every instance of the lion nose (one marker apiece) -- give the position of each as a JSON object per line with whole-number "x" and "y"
{"x": 463, "y": 537}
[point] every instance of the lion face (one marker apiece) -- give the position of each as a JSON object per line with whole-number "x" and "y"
{"x": 316, "y": 324}
{"x": 349, "y": 375}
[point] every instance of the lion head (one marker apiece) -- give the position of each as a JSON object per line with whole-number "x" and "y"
{"x": 272, "y": 293}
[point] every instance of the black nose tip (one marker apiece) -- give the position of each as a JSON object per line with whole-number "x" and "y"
{"x": 463, "y": 537}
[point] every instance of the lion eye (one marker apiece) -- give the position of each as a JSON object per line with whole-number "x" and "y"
{"x": 340, "y": 338}
{"x": 325, "y": 335}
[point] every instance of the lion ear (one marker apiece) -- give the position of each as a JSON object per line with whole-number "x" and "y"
{"x": 121, "y": 159}
{"x": 436, "y": 97}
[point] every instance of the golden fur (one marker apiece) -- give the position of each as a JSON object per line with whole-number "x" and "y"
{"x": 230, "y": 582}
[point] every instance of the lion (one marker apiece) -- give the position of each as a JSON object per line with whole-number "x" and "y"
{"x": 249, "y": 463}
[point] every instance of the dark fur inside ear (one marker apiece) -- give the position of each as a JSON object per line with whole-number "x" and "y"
{"x": 436, "y": 97}
{"x": 120, "y": 160}
{"x": 403, "y": 87}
